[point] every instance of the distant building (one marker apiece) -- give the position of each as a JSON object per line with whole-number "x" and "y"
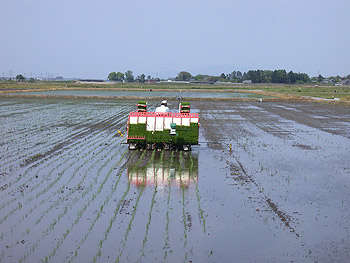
{"x": 152, "y": 80}
{"x": 248, "y": 81}
{"x": 91, "y": 80}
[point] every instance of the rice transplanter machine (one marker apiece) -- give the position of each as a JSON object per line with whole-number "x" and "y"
{"x": 158, "y": 130}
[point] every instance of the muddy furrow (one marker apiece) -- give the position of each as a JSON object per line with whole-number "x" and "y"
{"x": 309, "y": 115}
{"x": 285, "y": 219}
{"x": 266, "y": 122}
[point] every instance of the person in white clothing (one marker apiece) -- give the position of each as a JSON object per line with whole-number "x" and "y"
{"x": 163, "y": 107}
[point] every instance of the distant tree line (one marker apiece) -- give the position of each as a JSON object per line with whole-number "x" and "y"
{"x": 255, "y": 76}
{"x": 128, "y": 76}
{"x": 278, "y": 76}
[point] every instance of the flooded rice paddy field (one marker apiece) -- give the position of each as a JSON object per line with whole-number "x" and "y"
{"x": 71, "y": 192}
{"x": 145, "y": 93}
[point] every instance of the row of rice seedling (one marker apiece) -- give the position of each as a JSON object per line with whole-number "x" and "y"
{"x": 78, "y": 143}
{"x": 54, "y": 204}
{"x": 57, "y": 139}
{"x": 48, "y": 116}
{"x": 91, "y": 198}
{"x": 34, "y": 130}
{"x": 66, "y": 196}
{"x": 103, "y": 205}
{"x": 17, "y": 122}
{"x": 145, "y": 239}
{"x": 167, "y": 238}
{"x": 40, "y": 136}
{"x": 85, "y": 206}
{"x": 47, "y": 190}
{"x": 183, "y": 204}
{"x": 81, "y": 150}
{"x": 116, "y": 210}
{"x": 201, "y": 212}
{"x": 123, "y": 242}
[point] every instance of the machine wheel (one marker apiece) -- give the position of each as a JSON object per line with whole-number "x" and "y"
{"x": 166, "y": 146}
{"x": 132, "y": 146}
{"x": 149, "y": 146}
{"x": 187, "y": 148}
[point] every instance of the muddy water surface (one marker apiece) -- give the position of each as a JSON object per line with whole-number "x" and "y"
{"x": 71, "y": 192}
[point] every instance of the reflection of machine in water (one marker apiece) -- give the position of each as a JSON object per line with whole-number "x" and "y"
{"x": 177, "y": 168}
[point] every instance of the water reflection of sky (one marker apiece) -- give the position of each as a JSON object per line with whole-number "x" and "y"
{"x": 179, "y": 169}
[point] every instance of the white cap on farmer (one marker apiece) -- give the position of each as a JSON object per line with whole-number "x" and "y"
{"x": 164, "y": 102}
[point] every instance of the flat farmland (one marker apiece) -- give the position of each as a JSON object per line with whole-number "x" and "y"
{"x": 72, "y": 192}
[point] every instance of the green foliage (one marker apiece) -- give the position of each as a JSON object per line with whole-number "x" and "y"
{"x": 141, "y": 78}
{"x": 200, "y": 77}
{"x": 184, "y": 76}
{"x": 320, "y": 78}
{"x": 129, "y": 76}
{"x": 20, "y": 77}
{"x": 276, "y": 76}
{"x": 279, "y": 76}
{"x": 113, "y": 76}
{"x": 120, "y": 76}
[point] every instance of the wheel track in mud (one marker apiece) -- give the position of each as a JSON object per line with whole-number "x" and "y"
{"x": 284, "y": 217}
{"x": 272, "y": 128}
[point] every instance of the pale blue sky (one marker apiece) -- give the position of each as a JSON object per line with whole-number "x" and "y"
{"x": 90, "y": 38}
